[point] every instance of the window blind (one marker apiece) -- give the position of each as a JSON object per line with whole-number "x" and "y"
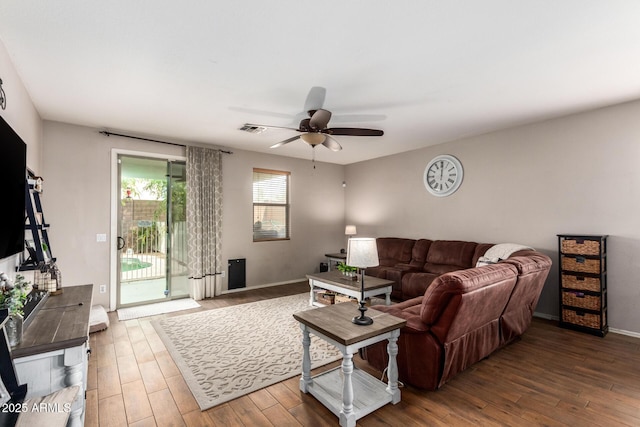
{"x": 270, "y": 205}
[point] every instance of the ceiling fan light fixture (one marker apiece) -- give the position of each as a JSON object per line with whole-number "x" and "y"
{"x": 313, "y": 139}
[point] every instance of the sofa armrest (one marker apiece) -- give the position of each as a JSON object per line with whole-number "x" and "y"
{"x": 408, "y": 310}
{"x": 413, "y": 302}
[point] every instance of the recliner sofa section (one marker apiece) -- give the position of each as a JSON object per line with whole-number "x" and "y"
{"x": 457, "y": 313}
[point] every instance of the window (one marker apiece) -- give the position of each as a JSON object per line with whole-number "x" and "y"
{"x": 270, "y": 205}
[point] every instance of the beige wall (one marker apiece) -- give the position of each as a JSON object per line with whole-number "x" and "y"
{"x": 317, "y": 217}
{"x": 578, "y": 174}
{"x": 22, "y": 116}
{"x": 20, "y": 112}
{"x": 77, "y": 199}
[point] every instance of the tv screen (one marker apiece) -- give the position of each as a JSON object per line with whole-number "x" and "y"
{"x": 13, "y": 173}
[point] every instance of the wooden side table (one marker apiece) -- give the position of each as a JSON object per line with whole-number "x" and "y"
{"x": 336, "y": 282}
{"x": 360, "y": 393}
{"x": 336, "y": 258}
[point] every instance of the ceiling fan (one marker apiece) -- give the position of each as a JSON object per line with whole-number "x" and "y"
{"x": 314, "y": 131}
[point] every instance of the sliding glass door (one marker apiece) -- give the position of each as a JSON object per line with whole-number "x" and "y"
{"x": 152, "y": 263}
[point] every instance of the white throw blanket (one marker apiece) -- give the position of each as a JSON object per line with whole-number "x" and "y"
{"x": 499, "y": 252}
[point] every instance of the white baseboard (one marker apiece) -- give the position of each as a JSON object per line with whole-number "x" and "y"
{"x": 612, "y": 330}
{"x": 266, "y": 285}
{"x": 623, "y": 332}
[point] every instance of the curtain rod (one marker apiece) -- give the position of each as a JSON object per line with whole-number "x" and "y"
{"x": 107, "y": 133}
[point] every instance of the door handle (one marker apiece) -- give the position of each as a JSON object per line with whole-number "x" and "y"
{"x": 121, "y": 243}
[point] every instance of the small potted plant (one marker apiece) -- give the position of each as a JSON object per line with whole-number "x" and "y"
{"x": 347, "y": 270}
{"x": 12, "y": 297}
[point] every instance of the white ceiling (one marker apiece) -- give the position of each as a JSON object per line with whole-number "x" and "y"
{"x": 426, "y": 71}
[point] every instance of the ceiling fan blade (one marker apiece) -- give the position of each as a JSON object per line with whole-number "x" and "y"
{"x": 353, "y": 132}
{"x": 315, "y": 98}
{"x": 269, "y": 126}
{"x": 331, "y": 144}
{"x": 354, "y": 118}
{"x": 320, "y": 119}
{"x": 286, "y": 141}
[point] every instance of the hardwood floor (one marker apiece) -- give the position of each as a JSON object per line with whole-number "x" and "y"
{"x": 552, "y": 377}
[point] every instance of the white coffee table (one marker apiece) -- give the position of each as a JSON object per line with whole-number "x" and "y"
{"x": 348, "y": 392}
{"x": 336, "y": 282}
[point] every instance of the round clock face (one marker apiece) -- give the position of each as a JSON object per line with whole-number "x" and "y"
{"x": 443, "y": 175}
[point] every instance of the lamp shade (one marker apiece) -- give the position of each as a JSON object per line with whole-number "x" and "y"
{"x": 350, "y": 230}
{"x": 362, "y": 252}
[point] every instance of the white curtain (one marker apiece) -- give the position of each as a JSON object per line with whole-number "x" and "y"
{"x": 204, "y": 219}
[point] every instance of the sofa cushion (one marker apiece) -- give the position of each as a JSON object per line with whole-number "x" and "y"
{"x": 479, "y": 252}
{"x": 419, "y": 252}
{"x": 414, "y": 284}
{"x": 449, "y": 253}
{"x": 394, "y": 250}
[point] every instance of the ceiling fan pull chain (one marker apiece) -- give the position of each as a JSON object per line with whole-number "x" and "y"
{"x": 313, "y": 156}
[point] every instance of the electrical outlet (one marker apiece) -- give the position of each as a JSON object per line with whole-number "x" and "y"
{"x": 223, "y": 273}
{"x": 103, "y": 289}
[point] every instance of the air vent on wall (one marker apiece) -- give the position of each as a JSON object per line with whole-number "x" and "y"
{"x": 253, "y": 129}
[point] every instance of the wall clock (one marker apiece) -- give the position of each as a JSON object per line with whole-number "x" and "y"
{"x": 443, "y": 175}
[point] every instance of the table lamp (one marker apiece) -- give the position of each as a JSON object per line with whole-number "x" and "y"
{"x": 362, "y": 252}
{"x": 350, "y": 230}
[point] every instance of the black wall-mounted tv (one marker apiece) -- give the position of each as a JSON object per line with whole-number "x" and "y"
{"x": 13, "y": 175}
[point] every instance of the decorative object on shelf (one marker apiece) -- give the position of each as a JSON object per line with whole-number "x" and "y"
{"x": 3, "y": 97}
{"x": 14, "y": 327}
{"x": 48, "y": 278}
{"x": 35, "y": 182}
{"x": 13, "y": 296}
{"x": 583, "y": 283}
{"x": 362, "y": 252}
{"x": 347, "y": 270}
{"x": 443, "y": 175}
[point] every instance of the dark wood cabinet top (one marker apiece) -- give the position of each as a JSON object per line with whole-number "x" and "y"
{"x": 62, "y": 322}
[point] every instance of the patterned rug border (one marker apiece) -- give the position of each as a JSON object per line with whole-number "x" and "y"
{"x": 206, "y": 402}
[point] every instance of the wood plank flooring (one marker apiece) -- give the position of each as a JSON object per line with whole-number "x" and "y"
{"x": 552, "y": 377}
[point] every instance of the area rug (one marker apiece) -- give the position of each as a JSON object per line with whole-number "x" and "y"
{"x": 228, "y": 352}
{"x": 156, "y": 308}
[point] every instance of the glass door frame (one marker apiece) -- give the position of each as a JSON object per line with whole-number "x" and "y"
{"x": 115, "y": 201}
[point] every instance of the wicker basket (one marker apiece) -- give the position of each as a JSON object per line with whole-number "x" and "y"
{"x": 581, "y": 300}
{"x": 583, "y": 283}
{"x": 581, "y": 318}
{"x": 581, "y": 247}
{"x": 581, "y": 264}
{"x": 326, "y": 298}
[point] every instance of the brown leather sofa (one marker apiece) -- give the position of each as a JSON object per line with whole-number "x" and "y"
{"x": 457, "y": 314}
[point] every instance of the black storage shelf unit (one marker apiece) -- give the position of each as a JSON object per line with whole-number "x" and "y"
{"x": 37, "y": 244}
{"x": 583, "y": 283}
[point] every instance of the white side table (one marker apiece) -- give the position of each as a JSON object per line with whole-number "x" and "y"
{"x": 360, "y": 393}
